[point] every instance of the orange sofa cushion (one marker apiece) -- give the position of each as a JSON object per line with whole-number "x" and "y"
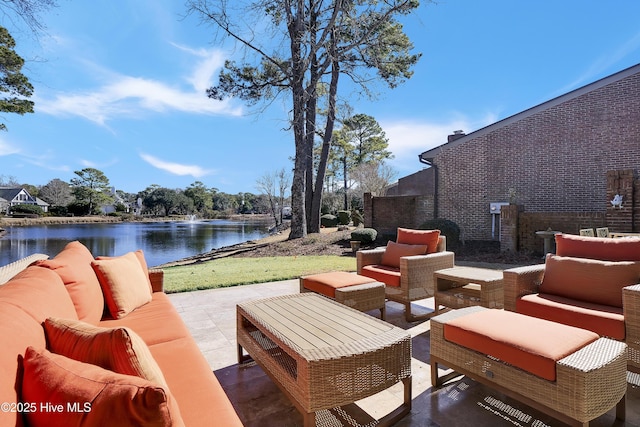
{"x": 395, "y": 251}
{"x": 419, "y": 237}
{"x": 103, "y": 397}
{"x": 604, "y": 320}
{"x": 143, "y": 263}
{"x": 201, "y": 398}
{"x": 117, "y": 349}
{"x": 531, "y": 344}
{"x": 124, "y": 283}
{"x": 327, "y": 283}
{"x": 39, "y": 292}
{"x": 589, "y": 280}
{"x": 382, "y": 273}
{"x": 18, "y": 331}
{"x": 155, "y": 322}
{"x": 603, "y": 248}
{"x": 73, "y": 265}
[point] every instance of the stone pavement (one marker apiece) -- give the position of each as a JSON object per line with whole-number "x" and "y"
{"x": 211, "y": 318}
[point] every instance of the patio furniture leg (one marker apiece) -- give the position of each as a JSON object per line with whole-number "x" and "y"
{"x": 410, "y": 317}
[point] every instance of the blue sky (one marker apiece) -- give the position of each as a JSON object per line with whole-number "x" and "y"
{"x": 119, "y": 86}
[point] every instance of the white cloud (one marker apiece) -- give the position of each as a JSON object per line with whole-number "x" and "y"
{"x": 175, "y": 168}
{"x": 127, "y": 96}
{"x": 7, "y": 149}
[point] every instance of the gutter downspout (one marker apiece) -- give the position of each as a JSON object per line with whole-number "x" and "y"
{"x": 429, "y": 162}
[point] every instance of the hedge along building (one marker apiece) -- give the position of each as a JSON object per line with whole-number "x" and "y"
{"x": 556, "y": 165}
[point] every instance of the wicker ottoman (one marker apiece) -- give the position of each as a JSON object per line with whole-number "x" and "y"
{"x": 578, "y": 388}
{"x": 355, "y": 291}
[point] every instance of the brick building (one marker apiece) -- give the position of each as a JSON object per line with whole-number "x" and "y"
{"x": 558, "y": 163}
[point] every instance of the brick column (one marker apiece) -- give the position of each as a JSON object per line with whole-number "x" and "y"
{"x": 509, "y": 228}
{"x": 368, "y": 210}
{"x": 620, "y": 182}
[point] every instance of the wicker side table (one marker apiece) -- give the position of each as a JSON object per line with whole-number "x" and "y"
{"x": 460, "y": 287}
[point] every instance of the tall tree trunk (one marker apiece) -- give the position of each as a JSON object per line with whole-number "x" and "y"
{"x": 326, "y": 144}
{"x": 298, "y": 211}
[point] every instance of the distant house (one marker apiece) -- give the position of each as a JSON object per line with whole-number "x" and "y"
{"x": 556, "y": 165}
{"x": 13, "y": 196}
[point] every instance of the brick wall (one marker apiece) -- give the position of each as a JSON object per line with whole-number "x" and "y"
{"x": 386, "y": 214}
{"x": 556, "y": 159}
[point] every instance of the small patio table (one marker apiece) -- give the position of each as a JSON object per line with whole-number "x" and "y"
{"x": 459, "y": 287}
{"x": 324, "y": 355}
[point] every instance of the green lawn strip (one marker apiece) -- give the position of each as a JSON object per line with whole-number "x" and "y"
{"x": 227, "y": 272}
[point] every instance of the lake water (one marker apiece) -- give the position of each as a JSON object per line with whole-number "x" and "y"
{"x": 161, "y": 241}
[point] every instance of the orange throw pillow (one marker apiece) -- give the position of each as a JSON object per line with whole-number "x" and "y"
{"x": 123, "y": 282}
{"x": 589, "y": 280}
{"x": 395, "y": 251}
{"x": 117, "y": 349}
{"x": 73, "y": 265}
{"x": 419, "y": 237}
{"x": 80, "y": 394}
{"x": 143, "y": 263}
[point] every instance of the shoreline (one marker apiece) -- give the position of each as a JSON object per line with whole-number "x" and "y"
{"x": 105, "y": 219}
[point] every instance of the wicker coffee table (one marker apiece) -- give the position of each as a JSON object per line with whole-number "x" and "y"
{"x": 459, "y": 287}
{"x": 324, "y": 355}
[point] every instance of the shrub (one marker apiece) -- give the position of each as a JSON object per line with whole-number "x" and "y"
{"x": 364, "y": 235}
{"x": 27, "y": 209}
{"x": 329, "y": 220}
{"x": 344, "y": 217}
{"x": 447, "y": 228}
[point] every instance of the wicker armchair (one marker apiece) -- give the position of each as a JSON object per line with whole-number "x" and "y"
{"x": 416, "y": 275}
{"x": 522, "y": 281}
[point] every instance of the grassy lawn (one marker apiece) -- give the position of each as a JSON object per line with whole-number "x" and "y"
{"x": 226, "y": 272}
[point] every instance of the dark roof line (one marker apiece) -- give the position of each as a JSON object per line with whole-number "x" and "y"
{"x": 428, "y": 155}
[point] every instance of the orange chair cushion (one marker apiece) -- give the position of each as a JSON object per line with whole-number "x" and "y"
{"x": 604, "y": 320}
{"x": 102, "y": 397}
{"x": 390, "y": 276}
{"x": 531, "y": 344}
{"x": 395, "y": 251}
{"x": 419, "y": 237}
{"x": 327, "y": 283}
{"x": 117, "y": 349}
{"x": 123, "y": 282}
{"x": 602, "y": 248}
{"x": 589, "y": 280}
{"x": 143, "y": 263}
{"x": 40, "y": 293}
{"x": 73, "y": 265}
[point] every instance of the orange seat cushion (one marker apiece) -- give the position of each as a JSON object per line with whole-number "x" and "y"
{"x": 531, "y": 344}
{"x": 390, "y": 276}
{"x": 589, "y": 280}
{"x": 124, "y": 283}
{"x": 117, "y": 349}
{"x": 601, "y": 248}
{"x": 102, "y": 397}
{"x": 419, "y": 237}
{"x": 73, "y": 265}
{"x": 327, "y": 283}
{"x": 394, "y": 251}
{"x": 155, "y": 322}
{"x": 604, "y": 320}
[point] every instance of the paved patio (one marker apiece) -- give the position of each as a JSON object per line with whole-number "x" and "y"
{"x": 211, "y": 317}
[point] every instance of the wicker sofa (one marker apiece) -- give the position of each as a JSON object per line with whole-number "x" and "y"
{"x": 590, "y": 283}
{"x": 406, "y": 266}
{"x": 65, "y": 362}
